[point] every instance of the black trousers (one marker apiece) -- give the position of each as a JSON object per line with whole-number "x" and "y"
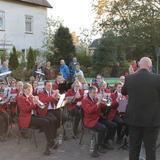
{"x": 4, "y": 121}
{"x": 119, "y": 122}
{"x": 44, "y": 125}
{"x": 58, "y": 116}
{"x": 111, "y": 130}
{"x": 52, "y": 124}
{"x": 149, "y": 136}
{"x": 77, "y": 114}
{"x": 101, "y": 129}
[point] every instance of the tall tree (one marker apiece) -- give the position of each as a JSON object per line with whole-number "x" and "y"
{"x": 13, "y": 60}
{"x": 105, "y": 55}
{"x": 63, "y": 44}
{"x": 31, "y": 59}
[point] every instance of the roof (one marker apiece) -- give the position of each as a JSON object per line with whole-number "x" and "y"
{"x": 43, "y": 3}
{"x": 95, "y": 43}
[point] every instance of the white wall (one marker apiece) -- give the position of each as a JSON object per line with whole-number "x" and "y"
{"x": 15, "y": 25}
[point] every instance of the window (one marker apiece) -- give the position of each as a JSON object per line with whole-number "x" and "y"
{"x": 2, "y": 22}
{"x": 29, "y": 24}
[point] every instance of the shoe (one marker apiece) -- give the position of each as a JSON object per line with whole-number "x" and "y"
{"x": 108, "y": 146}
{"x": 53, "y": 145}
{"x": 101, "y": 149}
{"x": 47, "y": 152}
{"x": 94, "y": 154}
{"x": 119, "y": 140}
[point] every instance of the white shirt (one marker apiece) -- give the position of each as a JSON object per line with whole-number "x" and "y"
{"x": 50, "y": 106}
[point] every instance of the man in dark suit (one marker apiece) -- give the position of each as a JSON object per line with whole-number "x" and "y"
{"x": 143, "y": 112}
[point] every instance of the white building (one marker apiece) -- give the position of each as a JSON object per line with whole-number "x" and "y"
{"x": 22, "y": 24}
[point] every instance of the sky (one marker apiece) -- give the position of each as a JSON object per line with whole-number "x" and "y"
{"x": 75, "y": 14}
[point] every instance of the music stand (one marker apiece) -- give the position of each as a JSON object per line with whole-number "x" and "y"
{"x": 40, "y": 75}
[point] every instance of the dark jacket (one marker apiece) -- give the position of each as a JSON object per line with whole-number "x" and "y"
{"x": 143, "y": 89}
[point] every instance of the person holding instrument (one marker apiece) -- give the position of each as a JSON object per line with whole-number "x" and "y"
{"x": 143, "y": 111}
{"x": 74, "y": 97}
{"x": 92, "y": 119}
{"x": 26, "y": 103}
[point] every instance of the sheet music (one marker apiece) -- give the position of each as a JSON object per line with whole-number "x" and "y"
{"x": 60, "y": 102}
{"x": 122, "y": 106}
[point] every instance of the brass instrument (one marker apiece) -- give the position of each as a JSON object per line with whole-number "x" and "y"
{"x": 35, "y": 100}
{"x": 108, "y": 100}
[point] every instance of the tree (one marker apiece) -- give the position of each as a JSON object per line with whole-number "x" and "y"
{"x": 63, "y": 45}
{"x": 31, "y": 59}
{"x": 13, "y": 60}
{"x": 52, "y": 26}
{"x": 105, "y": 55}
{"x": 136, "y": 22}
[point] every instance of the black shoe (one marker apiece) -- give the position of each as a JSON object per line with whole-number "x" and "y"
{"x": 119, "y": 141}
{"x": 94, "y": 154}
{"x": 109, "y": 145}
{"x": 101, "y": 149}
{"x": 47, "y": 152}
{"x": 53, "y": 145}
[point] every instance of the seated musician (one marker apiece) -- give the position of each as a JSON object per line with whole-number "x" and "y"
{"x": 83, "y": 82}
{"x": 105, "y": 94}
{"x": 103, "y": 88}
{"x": 20, "y": 87}
{"x": 35, "y": 87}
{"x": 92, "y": 119}
{"x": 98, "y": 81}
{"x": 28, "y": 103}
{"x": 50, "y": 98}
{"x": 113, "y": 114}
{"x": 11, "y": 94}
{"x": 4, "y": 117}
{"x": 60, "y": 84}
{"x": 74, "y": 97}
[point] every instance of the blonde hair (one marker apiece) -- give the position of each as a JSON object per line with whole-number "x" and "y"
{"x": 77, "y": 82}
{"x": 26, "y": 86}
{"x": 81, "y": 79}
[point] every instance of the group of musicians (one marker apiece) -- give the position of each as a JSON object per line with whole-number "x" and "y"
{"x": 36, "y": 108}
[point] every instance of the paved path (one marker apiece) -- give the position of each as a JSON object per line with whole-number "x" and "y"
{"x": 69, "y": 150}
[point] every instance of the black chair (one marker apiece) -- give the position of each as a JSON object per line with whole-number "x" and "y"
{"x": 27, "y": 133}
{"x": 92, "y": 133}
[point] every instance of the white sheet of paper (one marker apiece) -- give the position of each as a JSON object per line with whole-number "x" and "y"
{"x": 60, "y": 102}
{"x": 122, "y": 106}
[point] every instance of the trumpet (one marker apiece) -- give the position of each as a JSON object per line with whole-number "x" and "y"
{"x": 107, "y": 100}
{"x": 35, "y": 100}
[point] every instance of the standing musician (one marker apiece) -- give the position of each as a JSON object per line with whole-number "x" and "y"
{"x": 74, "y": 97}
{"x": 92, "y": 119}
{"x": 27, "y": 103}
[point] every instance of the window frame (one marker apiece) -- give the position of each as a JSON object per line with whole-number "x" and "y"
{"x": 32, "y": 21}
{"x": 3, "y": 20}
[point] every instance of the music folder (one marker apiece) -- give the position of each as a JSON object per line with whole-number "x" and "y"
{"x": 60, "y": 102}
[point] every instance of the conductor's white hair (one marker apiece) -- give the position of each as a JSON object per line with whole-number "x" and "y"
{"x": 145, "y": 62}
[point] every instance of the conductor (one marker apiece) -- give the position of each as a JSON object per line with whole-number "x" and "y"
{"x": 143, "y": 112}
